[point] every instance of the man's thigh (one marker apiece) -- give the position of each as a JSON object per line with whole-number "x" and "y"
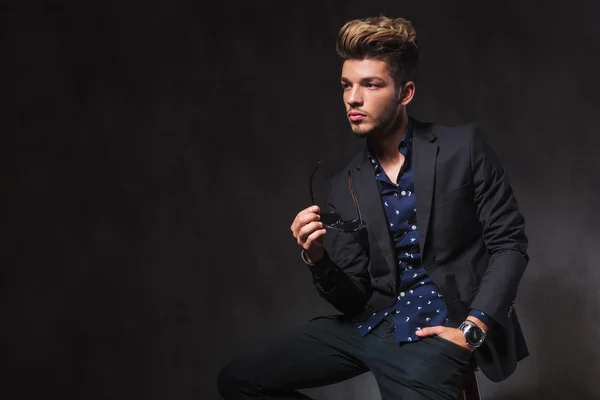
{"x": 431, "y": 368}
{"x": 321, "y": 352}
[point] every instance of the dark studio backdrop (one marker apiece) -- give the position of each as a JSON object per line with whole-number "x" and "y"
{"x": 157, "y": 153}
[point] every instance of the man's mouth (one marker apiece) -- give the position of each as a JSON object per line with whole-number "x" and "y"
{"x": 356, "y": 116}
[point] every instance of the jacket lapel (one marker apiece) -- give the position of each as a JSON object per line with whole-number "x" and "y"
{"x": 425, "y": 155}
{"x": 371, "y": 208}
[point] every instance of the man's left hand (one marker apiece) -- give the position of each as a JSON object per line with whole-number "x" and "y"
{"x": 451, "y": 334}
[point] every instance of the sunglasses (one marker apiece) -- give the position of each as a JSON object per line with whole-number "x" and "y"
{"x": 333, "y": 220}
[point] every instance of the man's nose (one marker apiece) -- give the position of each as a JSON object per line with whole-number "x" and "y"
{"x": 354, "y": 97}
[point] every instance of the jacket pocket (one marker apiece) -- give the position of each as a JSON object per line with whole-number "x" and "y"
{"x": 464, "y": 190}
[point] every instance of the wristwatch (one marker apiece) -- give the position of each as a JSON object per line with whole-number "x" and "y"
{"x": 473, "y": 334}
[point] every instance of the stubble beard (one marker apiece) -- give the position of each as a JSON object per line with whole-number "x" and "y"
{"x": 383, "y": 123}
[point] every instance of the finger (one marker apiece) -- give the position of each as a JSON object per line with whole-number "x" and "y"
{"x": 430, "y": 331}
{"x": 307, "y": 218}
{"x": 303, "y": 217}
{"x": 308, "y": 210}
{"x": 313, "y": 237}
{"x": 307, "y": 230}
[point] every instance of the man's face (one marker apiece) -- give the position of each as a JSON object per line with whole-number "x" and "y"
{"x": 370, "y": 96}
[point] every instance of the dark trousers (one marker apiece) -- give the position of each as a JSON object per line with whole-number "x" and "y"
{"x": 327, "y": 350}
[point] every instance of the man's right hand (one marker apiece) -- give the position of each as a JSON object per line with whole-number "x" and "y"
{"x": 308, "y": 231}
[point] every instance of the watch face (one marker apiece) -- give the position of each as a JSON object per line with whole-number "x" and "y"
{"x": 475, "y": 336}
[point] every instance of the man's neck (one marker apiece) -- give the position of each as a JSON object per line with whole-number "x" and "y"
{"x": 385, "y": 145}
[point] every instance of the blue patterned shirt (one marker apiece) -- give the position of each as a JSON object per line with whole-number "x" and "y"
{"x": 420, "y": 303}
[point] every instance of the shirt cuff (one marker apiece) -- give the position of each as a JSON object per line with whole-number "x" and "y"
{"x": 480, "y": 315}
{"x": 320, "y": 269}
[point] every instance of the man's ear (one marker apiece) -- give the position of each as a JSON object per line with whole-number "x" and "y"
{"x": 407, "y": 93}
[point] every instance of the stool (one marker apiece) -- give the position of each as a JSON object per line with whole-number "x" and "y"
{"x": 470, "y": 387}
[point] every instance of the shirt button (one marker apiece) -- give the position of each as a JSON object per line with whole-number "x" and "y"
{"x": 403, "y": 193}
{"x": 402, "y": 294}
{"x": 413, "y": 227}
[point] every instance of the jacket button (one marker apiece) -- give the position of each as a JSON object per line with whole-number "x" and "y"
{"x": 390, "y": 288}
{"x": 368, "y": 309}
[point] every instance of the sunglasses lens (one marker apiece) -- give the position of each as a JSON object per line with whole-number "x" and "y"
{"x": 330, "y": 219}
{"x": 350, "y": 226}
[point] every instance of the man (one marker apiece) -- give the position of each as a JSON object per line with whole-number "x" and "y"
{"x": 421, "y": 251}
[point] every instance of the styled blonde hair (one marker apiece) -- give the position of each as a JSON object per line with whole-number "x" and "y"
{"x": 392, "y": 40}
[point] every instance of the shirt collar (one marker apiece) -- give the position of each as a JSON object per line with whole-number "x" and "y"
{"x": 408, "y": 135}
{"x": 406, "y": 139}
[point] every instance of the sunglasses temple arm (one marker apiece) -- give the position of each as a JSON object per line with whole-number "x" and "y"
{"x": 354, "y": 197}
{"x": 312, "y": 197}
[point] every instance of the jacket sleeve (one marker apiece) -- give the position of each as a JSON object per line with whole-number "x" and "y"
{"x": 503, "y": 233}
{"x": 342, "y": 277}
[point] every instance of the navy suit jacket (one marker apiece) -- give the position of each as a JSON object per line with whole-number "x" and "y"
{"x": 472, "y": 239}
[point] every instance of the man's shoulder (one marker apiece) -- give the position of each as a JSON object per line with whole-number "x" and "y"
{"x": 338, "y": 178}
{"x": 353, "y": 164}
{"x": 449, "y": 132}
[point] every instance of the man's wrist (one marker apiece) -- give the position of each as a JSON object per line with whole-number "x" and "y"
{"x": 310, "y": 260}
{"x": 305, "y": 258}
{"x": 474, "y": 334}
{"x": 474, "y": 320}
